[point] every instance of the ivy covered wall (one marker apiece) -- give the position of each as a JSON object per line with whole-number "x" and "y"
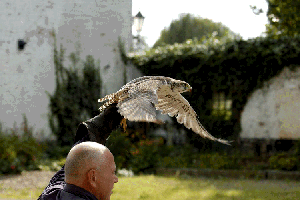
{"x": 233, "y": 68}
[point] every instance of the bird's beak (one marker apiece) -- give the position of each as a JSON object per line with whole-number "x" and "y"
{"x": 190, "y": 90}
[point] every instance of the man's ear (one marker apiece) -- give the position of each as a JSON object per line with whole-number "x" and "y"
{"x": 92, "y": 178}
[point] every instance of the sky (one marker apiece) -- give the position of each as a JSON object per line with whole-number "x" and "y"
{"x": 235, "y": 14}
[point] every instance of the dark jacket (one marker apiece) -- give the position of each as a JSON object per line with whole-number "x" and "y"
{"x": 69, "y": 191}
{"x": 74, "y": 192}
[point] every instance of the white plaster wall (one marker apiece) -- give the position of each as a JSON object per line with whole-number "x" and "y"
{"x": 26, "y": 75}
{"x": 273, "y": 112}
{"x": 96, "y": 26}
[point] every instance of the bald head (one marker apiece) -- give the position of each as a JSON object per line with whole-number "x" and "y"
{"x": 81, "y": 159}
{"x": 91, "y": 166}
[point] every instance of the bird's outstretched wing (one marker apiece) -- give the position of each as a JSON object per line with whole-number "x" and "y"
{"x": 139, "y": 107}
{"x": 174, "y": 104}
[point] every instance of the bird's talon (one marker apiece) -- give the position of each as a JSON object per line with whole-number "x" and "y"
{"x": 124, "y": 124}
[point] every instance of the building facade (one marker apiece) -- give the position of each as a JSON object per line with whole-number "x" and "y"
{"x": 93, "y": 27}
{"x": 270, "y": 120}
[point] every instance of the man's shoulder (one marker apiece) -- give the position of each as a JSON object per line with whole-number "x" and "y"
{"x": 71, "y": 191}
{"x": 63, "y": 195}
{"x": 67, "y": 192}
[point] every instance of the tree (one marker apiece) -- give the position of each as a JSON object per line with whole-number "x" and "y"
{"x": 283, "y": 16}
{"x": 190, "y": 27}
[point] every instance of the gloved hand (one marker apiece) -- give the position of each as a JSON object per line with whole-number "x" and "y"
{"x": 100, "y": 127}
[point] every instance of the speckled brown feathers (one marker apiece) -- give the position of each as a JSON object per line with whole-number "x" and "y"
{"x": 139, "y": 99}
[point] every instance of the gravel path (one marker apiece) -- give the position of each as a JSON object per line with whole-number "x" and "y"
{"x": 31, "y": 179}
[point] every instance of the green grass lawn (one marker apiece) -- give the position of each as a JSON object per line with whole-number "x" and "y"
{"x": 26, "y": 193}
{"x": 171, "y": 188}
{"x": 156, "y": 188}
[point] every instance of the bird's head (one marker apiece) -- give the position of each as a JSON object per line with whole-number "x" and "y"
{"x": 181, "y": 86}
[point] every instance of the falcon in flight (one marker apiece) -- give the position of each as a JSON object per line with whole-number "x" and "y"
{"x": 139, "y": 99}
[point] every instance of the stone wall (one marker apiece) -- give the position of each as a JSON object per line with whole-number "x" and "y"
{"x": 272, "y": 112}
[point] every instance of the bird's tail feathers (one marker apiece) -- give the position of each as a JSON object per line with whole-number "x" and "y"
{"x": 110, "y": 99}
{"x": 107, "y": 97}
{"x": 224, "y": 141}
{"x": 204, "y": 133}
{"x": 106, "y": 104}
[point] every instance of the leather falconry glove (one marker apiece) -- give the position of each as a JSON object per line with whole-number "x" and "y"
{"x": 100, "y": 127}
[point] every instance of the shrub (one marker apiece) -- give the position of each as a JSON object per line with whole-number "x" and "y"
{"x": 119, "y": 144}
{"x": 177, "y": 156}
{"x": 145, "y": 155}
{"x": 133, "y": 151}
{"x": 284, "y": 161}
{"x": 51, "y": 165}
{"x": 19, "y": 150}
{"x": 185, "y": 156}
{"x": 173, "y": 162}
{"x": 54, "y": 151}
{"x": 212, "y": 161}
